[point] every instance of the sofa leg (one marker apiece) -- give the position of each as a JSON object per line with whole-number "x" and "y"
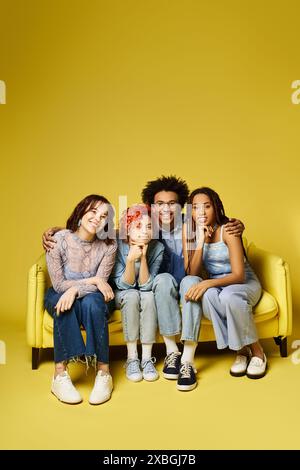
{"x": 35, "y": 358}
{"x": 281, "y": 341}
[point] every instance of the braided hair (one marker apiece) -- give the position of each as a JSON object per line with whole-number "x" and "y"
{"x": 220, "y": 215}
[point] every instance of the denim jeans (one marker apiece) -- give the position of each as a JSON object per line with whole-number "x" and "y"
{"x": 229, "y": 309}
{"x": 191, "y": 311}
{"x": 165, "y": 290}
{"x": 91, "y": 311}
{"x": 139, "y": 316}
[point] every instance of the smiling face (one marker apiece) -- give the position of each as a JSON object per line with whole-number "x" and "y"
{"x": 166, "y": 205}
{"x": 203, "y": 212}
{"x": 140, "y": 231}
{"x": 95, "y": 218}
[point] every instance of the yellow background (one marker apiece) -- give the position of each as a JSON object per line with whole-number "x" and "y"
{"x": 104, "y": 95}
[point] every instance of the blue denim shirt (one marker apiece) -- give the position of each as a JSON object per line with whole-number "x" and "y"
{"x": 154, "y": 258}
{"x": 173, "y": 261}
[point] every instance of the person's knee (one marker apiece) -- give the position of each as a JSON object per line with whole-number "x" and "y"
{"x": 130, "y": 297}
{"x": 234, "y": 299}
{"x": 147, "y": 299}
{"x": 210, "y": 295}
{"x": 164, "y": 283}
{"x": 94, "y": 302}
{"x": 188, "y": 281}
{"x": 51, "y": 299}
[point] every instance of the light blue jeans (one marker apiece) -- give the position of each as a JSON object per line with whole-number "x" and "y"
{"x": 228, "y": 308}
{"x": 165, "y": 290}
{"x": 139, "y": 316}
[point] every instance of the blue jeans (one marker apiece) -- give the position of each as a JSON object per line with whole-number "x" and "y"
{"x": 228, "y": 308}
{"x": 139, "y": 316}
{"x": 91, "y": 311}
{"x": 165, "y": 290}
{"x": 191, "y": 311}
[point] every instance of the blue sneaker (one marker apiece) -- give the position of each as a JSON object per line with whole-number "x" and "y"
{"x": 149, "y": 372}
{"x": 133, "y": 370}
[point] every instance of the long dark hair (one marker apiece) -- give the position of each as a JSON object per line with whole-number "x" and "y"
{"x": 221, "y": 217}
{"x": 86, "y": 204}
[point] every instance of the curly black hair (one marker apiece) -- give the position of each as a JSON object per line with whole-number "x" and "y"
{"x": 166, "y": 183}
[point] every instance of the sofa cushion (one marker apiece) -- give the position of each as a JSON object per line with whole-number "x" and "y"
{"x": 266, "y": 308}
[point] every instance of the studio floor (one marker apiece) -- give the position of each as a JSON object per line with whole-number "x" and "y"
{"x": 223, "y": 412}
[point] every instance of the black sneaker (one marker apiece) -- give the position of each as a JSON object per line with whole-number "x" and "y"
{"x": 187, "y": 377}
{"x": 172, "y": 366}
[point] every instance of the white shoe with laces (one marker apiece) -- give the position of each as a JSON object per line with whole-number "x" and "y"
{"x": 63, "y": 388}
{"x": 148, "y": 369}
{"x": 133, "y": 370}
{"x": 239, "y": 367}
{"x": 257, "y": 367}
{"x": 103, "y": 388}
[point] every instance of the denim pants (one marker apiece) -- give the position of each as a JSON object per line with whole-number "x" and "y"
{"x": 228, "y": 308}
{"x": 139, "y": 316}
{"x": 166, "y": 295}
{"x": 91, "y": 311}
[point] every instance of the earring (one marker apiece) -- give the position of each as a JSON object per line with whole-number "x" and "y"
{"x": 79, "y": 222}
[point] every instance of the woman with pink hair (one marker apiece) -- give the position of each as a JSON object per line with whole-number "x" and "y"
{"x": 137, "y": 263}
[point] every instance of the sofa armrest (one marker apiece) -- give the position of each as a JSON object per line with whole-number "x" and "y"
{"x": 273, "y": 273}
{"x": 38, "y": 281}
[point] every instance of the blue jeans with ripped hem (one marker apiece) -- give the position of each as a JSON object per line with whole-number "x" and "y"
{"x": 92, "y": 313}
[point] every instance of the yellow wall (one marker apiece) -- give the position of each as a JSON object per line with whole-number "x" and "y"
{"x": 102, "y": 96}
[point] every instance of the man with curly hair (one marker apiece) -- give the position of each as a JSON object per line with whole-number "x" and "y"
{"x": 167, "y": 196}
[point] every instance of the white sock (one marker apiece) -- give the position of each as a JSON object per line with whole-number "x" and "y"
{"x": 170, "y": 344}
{"x": 132, "y": 350}
{"x": 146, "y": 351}
{"x": 189, "y": 352}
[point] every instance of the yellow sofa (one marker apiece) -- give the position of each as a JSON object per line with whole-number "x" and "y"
{"x": 273, "y": 313}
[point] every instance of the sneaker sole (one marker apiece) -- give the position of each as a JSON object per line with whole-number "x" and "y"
{"x": 186, "y": 388}
{"x": 100, "y": 402}
{"x": 238, "y": 374}
{"x": 67, "y": 402}
{"x": 171, "y": 376}
{"x": 135, "y": 380}
{"x": 151, "y": 380}
{"x": 259, "y": 376}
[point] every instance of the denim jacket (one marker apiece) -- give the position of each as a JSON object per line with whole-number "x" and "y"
{"x": 154, "y": 258}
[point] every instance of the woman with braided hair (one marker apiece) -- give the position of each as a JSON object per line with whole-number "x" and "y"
{"x": 138, "y": 261}
{"x": 226, "y": 297}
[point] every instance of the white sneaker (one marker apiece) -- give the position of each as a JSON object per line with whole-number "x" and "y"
{"x": 239, "y": 367}
{"x": 257, "y": 367}
{"x": 102, "y": 388}
{"x": 63, "y": 388}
